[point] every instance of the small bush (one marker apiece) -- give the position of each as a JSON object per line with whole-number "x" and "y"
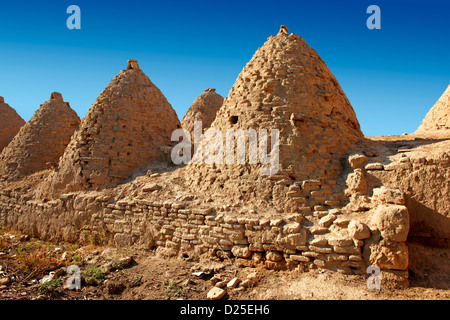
{"x": 96, "y": 273}
{"x": 50, "y": 286}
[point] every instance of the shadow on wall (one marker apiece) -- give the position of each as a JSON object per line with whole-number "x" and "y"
{"x": 428, "y": 246}
{"x": 427, "y": 223}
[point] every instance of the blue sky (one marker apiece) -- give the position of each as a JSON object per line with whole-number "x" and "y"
{"x": 392, "y": 76}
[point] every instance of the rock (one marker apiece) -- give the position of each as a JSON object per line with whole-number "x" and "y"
{"x": 274, "y": 256}
{"x": 374, "y": 166}
{"x": 221, "y": 284}
{"x": 318, "y": 230}
{"x": 233, "y": 283}
{"x": 358, "y": 203}
{"x": 320, "y": 263}
{"x": 389, "y": 255}
{"x": 292, "y": 227}
{"x": 246, "y": 283}
{"x": 356, "y": 183}
{"x": 340, "y": 242}
{"x": 254, "y": 276}
{"x": 388, "y": 195}
{"x": 257, "y": 257}
{"x": 299, "y": 258}
{"x": 122, "y": 240}
{"x": 319, "y": 242}
{"x": 215, "y": 279}
{"x": 340, "y": 222}
{"x": 358, "y": 230}
{"x": 357, "y": 160}
{"x": 327, "y": 220}
{"x": 216, "y": 294}
{"x": 392, "y": 221}
{"x": 5, "y": 281}
{"x": 241, "y": 251}
{"x": 122, "y": 263}
{"x": 150, "y": 187}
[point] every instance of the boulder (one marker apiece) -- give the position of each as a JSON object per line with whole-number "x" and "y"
{"x": 357, "y": 160}
{"x": 389, "y": 255}
{"x": 356, "y": 183}
{"x": 358, "y": 230}
{"x": 241, "y": 251}
{"x": 392, "y": 221}
{"x": 216, "y": 294}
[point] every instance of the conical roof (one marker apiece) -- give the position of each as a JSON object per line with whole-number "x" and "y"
{"x": 10, "y": 123}
{"x": 122, "y": 132}
{"x": 286, "y": 86}
{"x": 438, "y": 117}
{"x": 203, "y": 109}
{"x": 41, "y": 141}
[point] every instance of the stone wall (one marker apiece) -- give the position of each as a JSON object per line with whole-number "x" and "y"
{"x": 319, "y": 239}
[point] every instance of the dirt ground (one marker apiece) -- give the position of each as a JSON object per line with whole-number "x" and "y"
{"x": 127, "y": 274}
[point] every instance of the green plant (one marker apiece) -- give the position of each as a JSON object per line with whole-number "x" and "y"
{"x": 176, "y": 290}
{"x": 98, "y": 238}
{"x": 24, "y": 248}
{"x": 77, "y": 260}
{"x": 95, "y": 272}
{"x": 50, "y": 286}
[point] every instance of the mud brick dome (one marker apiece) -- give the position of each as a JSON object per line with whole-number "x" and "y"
{"x": 285, "y": 86}
{"x": 203, "y": 109}
{"x": 438, "y": 117}
{"x": 122, "y": 132}
{"x": 41, "y": 141}
{"x": 10, "y": 123}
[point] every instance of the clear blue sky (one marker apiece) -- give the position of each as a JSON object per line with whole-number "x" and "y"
{"x": 392, "y": 76}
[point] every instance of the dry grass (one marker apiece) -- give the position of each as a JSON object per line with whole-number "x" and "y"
{"x": 31, "y": 258}
{"x": 36, "y": 258}
{"x": 42, "y": 172}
